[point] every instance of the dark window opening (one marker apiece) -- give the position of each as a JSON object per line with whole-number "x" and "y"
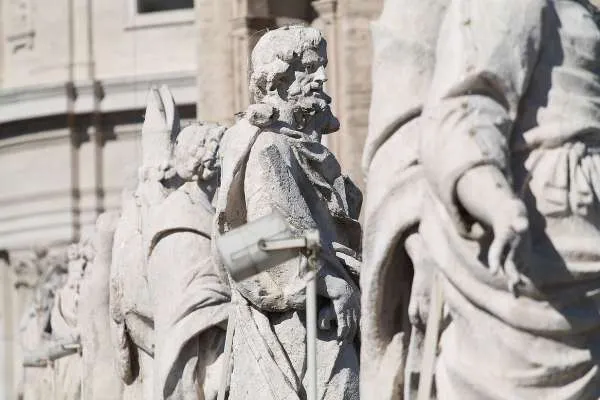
{"x": 149, "y": 6}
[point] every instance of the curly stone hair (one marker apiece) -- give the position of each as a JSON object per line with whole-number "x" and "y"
{"x": 196, "y": 151}
{"x": 273, "y": 54}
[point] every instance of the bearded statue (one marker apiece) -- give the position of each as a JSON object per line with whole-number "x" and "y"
{"x": 273, "y": 161}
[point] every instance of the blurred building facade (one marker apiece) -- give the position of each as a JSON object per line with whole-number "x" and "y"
{"x": 74, "y": 76}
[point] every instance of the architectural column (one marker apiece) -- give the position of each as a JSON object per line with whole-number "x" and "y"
{"x": 352, "y": 53}
{"x": 87, "y": 133}
{"x": 7, "y": 344}
{"x": 215, "y": 60}
{"x": 250, "y": 19}
{"x": 326, "y": 22}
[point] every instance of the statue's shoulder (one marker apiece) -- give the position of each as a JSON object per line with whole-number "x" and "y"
{"x": 238, "y": 139}
{"x": 255, "y": 140}
{"x": 257, "y": 118}
{"x": 269, "y": 140}
{"x": 187, "y": 208}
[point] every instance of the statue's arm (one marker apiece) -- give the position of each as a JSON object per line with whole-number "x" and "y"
{"x": 485, "y": 56}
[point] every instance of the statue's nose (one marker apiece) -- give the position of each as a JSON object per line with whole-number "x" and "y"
{"x": 319, "y": 75}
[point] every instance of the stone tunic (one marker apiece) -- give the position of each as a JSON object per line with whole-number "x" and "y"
{"x": 264, "y": 170}
{"x": 190, "y": 296}
{"x": 517, "y": 86}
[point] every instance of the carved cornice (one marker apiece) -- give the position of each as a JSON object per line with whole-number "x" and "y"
{"x": 34, "y": 140}
{"x": 119, "y": 94}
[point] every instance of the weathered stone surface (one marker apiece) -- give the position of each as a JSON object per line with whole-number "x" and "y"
{"x": 273, "y": 160}
{"x": 100, "y": 380}
{"x": 393, "y": 252}
{"x": 168, "y": 298}
{"x": 49, "y": 273}
{"x": 502, "y": 137}
{"x": 50, "y": 323}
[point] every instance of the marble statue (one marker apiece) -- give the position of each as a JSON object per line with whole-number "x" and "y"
{"x": 64, "y": 324}
{"x": 273, "y": 160}
{"x": 508, "y": 145}
{"x": 131, "y": 326}
{"x": 100, "y": 380}
{"x": 50, "y": 329}
{"x": 397, "y": 266}
{"x": 132, "y": 317}
{"x": 29, "y": 271}
{"x": 44, "y": 275}
{"x": 190, "y": 327}
{"x": 169, "y": 301}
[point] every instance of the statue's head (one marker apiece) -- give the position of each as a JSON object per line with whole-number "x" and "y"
{"x": 288, "y": 72}
{"x": 196, "y": 151}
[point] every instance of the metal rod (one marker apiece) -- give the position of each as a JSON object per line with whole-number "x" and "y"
{"x": 282, "y": 244}
{"x": 311, "y": 336}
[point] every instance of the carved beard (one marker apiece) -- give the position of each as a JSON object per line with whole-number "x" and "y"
{"x": 313, "y": 110}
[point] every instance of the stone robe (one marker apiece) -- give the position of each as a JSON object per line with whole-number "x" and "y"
{"x": 101, "y": 380}
{"x": 190, "y": 296}
{"x": 403, "y": 65}
{"x": 517, "y": 86}
{"x": 130, "y": 304}
{"x": 262, "y": 171}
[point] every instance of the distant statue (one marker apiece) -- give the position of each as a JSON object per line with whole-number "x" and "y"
{"x": 397, "y": 265}
{"x": 43, "y": 275}
{"x": 100, "y": 378}
{"x": 168, "y": 298}
{"x": 65, "y": 325}
{"x": 508, "y": 143}
{"x": 29, "y": 271}
{"x": 273, "y": 160}
{"x": 130, "y": 302}
{"x": 50, "y": 329}
{"x": 190, "y": 326}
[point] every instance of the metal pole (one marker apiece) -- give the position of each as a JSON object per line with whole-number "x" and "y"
{"x": 311, "y": 335}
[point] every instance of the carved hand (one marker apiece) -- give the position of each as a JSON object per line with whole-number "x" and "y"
{"x": 485, "y": 194}
{"x": 344, "y": 308}
{"x": 508, "y": 226}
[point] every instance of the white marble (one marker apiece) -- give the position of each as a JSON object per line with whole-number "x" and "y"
{"x": 273, "y": 159}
